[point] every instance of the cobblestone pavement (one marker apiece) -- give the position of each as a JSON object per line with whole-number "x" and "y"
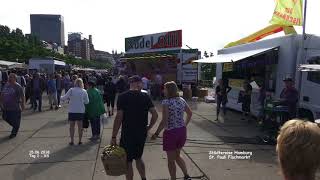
{"x": 48, "y": 132}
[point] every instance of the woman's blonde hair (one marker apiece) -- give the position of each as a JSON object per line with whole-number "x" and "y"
{"x": 172, "y": 89}
{"x": 79, "y": 83}
{"x": 298, "y": 148}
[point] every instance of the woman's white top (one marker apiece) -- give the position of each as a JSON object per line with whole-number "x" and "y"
{"x": 77, "y": 97}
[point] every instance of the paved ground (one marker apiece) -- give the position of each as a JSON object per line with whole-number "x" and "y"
{"x": 48, "y": 131}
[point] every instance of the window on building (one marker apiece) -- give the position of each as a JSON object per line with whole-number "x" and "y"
{"x": 314, "y": 77}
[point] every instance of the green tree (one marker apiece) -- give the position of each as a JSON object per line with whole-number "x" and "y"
{"x": 15, "y": 45}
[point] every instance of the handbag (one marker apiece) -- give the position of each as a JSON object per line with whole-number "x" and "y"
{"x": 85, "y": 122}
{"x": 240, "y": 97}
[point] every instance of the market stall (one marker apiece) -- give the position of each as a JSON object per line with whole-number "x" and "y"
{"x": 46, "y": 65}
{"x": 11, "y": 65}
{"x": 160, "y": 54}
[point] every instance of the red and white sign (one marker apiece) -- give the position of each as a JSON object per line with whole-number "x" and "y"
{"x": 154, "y": 42}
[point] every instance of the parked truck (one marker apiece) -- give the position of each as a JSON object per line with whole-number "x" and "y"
{"x": 267, "y": 63}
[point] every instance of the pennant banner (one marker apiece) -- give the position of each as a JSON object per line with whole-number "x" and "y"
{"x": 272, "y": 29}
{"x": 288, "y": 13}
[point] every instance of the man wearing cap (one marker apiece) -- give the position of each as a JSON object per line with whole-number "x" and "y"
{"x": 289, "y": 97}
{"x": 132, "y": 115}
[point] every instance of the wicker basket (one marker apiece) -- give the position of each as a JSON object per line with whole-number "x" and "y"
{"x": 115, "y": 163}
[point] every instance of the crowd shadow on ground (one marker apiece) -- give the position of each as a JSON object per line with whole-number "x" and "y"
{"x": 4, "y": 139}
{"x": 34, "y": 169}
{"x": 235, "y": 142}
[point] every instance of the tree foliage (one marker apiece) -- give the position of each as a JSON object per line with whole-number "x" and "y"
{"x": 208, "y": 71}
{"x": 15, "y": 46}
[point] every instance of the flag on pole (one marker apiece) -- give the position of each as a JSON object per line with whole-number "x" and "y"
{"x": 288, "y": 13}
{"x": 271, "y": 29}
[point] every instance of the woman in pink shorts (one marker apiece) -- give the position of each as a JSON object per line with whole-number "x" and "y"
{"x": 175, "y": 134}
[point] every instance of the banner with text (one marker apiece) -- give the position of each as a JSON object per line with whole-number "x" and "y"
{"x": 154, "y": 42}
{"x": 189, "y": 71}
{"x": 288, "y": 13}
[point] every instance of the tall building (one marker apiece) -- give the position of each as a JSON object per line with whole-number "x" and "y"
{"x": 85, "y": 49}
{"x": 78, "y": 46}
{"x": 92, "y": 50}
{"x": 49, "y": 28}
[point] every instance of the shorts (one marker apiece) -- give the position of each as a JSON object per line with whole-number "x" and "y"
{"x": 76, "y": 117}
{"x": 246, "y": 107}
{"x": 134, "y": 147}
{"x": 174, "y": 139}
{"x": 110, "y": 100}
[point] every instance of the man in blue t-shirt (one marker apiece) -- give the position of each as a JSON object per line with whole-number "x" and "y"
{"x": 12, "y": 102}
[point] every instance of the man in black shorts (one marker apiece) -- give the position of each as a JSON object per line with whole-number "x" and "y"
{"x": 132, "y": 114}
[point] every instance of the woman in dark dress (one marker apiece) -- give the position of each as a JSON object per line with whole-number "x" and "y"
{"x": 246, "y": 100}
{"x": 222, "y": 91}
{"x": 110, "y": 91}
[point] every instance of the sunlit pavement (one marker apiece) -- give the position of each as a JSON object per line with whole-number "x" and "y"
{"x": 48, "y": 132}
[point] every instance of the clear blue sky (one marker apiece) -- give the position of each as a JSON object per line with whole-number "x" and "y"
{"x": 206, "y": 24}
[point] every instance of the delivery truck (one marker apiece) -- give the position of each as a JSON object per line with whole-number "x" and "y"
{"x": 266, "y": 63}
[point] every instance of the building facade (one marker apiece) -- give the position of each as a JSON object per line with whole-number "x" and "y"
{"x": 85, "y": 49}
{"x": 104, "y": 56}
{"x": 78, "y": 46}
{"x": 49, "y": 28}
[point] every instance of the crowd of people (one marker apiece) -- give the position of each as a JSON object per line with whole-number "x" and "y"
{"x": 86, "y": 94}
{"x": 19, "y": 89}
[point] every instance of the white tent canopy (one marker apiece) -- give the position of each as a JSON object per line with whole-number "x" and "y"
{"x": 233, "y": 57}
{"x": 11, "y": 65}
{"x": 309, "y": 67}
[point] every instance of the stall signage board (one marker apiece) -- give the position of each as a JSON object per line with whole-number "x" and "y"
{"x": 189, "y": 70}
{"x": 154, "y": 42}
{"x": 236, "y": 83}
{"x": 227, "y": 67}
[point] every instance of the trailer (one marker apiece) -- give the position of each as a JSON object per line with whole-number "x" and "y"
{"x": 268, "y": 62}
{"x": 46, "y": 65}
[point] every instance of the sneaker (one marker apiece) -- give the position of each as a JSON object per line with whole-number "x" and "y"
{"x": 187, "y": 177}
{"x": 79, "y": 143}
{"x": 56, "y": 108}
{"x": 71, "y": 143}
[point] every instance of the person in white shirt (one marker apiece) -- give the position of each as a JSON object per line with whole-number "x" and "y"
{"x": 77, "y": 97}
